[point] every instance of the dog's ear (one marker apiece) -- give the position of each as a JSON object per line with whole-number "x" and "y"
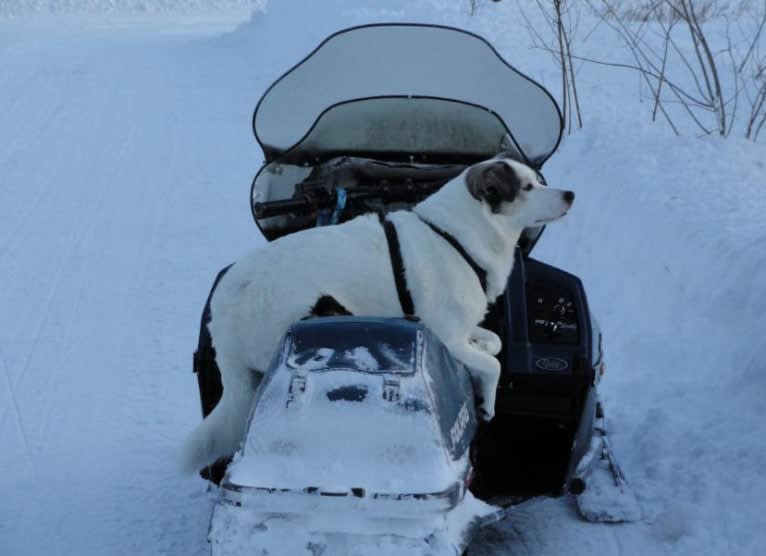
{"x": 493, "y": 183}
{"x": 508, "y": 154}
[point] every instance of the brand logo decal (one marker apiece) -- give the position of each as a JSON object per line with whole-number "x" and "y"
{"x": 458, "y": 427}
{"x": 551, "y": 364}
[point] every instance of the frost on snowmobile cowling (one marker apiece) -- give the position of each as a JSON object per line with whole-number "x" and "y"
{"x": 358, "y": 448}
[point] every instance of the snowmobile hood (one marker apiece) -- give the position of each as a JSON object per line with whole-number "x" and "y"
{"x": 406, "y": 92}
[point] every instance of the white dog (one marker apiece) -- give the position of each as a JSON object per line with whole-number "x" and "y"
{"x": 485, "y": 209}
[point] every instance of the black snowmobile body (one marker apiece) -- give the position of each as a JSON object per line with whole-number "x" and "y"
{"x": 546, "y": 402}
{"x": 343, "y": 136}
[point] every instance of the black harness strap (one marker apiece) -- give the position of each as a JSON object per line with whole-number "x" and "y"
{"x": 394, "y": 251}
{"x": 481, "y": 274}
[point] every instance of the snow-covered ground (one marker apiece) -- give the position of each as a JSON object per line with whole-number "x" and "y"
{"x": 125, "y": 162}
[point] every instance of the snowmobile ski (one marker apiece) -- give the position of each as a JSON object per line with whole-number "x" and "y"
{"x": 605, "y": 496}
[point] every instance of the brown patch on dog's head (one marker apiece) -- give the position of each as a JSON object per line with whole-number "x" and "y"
{"x": 493, "y": 183}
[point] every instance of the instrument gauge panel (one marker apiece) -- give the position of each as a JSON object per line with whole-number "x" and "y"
{"x": 552, "y": 315}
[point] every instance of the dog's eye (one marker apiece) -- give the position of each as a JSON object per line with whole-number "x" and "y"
{"x": 528, "y": 187}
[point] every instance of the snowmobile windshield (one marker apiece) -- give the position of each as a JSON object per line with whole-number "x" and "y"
{"x": 406, "y": 91}
{"x": 367, "y": 347}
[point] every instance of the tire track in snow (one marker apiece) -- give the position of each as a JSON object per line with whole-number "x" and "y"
{"x": 22, "y": 141}
{"x": 108, "y": 228}
{"x": 48, "y": 127}
{"x": 51, "y": 296}
{"x": 16, "y": 410}
{"x": 87, "y": 233}
{"x": 44, "y": 118}
{"x": 76, "y": 267}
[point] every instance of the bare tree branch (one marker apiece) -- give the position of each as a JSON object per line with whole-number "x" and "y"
{"x": 754, "y": 41}
{"x": 736, "y": 80}
{"x": 557, "y": 16}
{"x": 677, "y": 63}
{"x": 712, "y": 67}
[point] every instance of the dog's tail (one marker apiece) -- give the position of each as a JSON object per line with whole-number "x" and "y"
{"x": 220, "y": 434}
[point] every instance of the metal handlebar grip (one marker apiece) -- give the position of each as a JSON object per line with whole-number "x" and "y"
{"x": 277, "y": 208}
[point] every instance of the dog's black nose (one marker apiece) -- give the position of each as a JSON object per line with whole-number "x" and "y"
{"x": 569, "y": 196}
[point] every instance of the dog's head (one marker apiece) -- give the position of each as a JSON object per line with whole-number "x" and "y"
{"x": 512, "y": 189}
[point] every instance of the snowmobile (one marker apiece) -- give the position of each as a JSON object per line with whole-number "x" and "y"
{"x": 363, "y": 437}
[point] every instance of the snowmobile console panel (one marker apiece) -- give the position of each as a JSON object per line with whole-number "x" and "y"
{"x": 546, "y": 396}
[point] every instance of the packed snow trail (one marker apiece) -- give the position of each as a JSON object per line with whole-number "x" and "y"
{"x": 125, "y": 159}
{"x": 119, "y": 163}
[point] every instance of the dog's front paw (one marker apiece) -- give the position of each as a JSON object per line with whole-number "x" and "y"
{"x": 485, "y": 340}
{"x": 484, "y": 412}
{"x": 480, "y": 345}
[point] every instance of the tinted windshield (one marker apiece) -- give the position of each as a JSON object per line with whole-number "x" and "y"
{"x": 418, "y": 88}
{"x": 427, "y": 127}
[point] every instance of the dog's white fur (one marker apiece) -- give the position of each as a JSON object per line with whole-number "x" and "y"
{"x": 262, "y": 294}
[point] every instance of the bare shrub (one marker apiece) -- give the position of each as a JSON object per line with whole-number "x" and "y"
{"x": 562, "y": 21}
{"x": 650, "y": 10}
{"x": 685, "y": 70}
{"x": 752, "y": 72}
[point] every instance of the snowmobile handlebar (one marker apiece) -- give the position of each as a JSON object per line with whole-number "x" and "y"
{"x": 287, "y": 206}
{"x": 315, "y": 199}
